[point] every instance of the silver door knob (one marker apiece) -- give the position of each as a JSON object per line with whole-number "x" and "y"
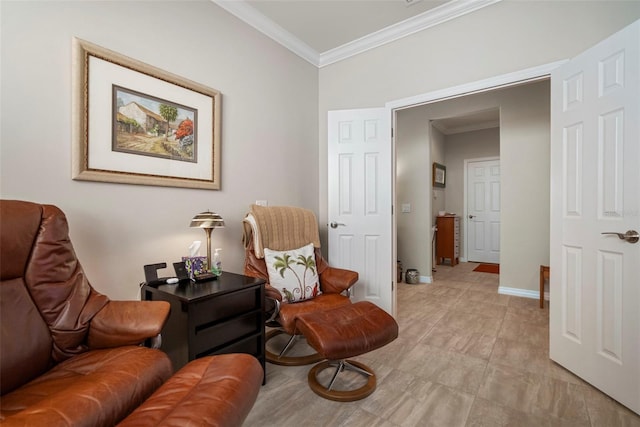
{"x": 336, "y": 224}
{"x": 630, "y": 236}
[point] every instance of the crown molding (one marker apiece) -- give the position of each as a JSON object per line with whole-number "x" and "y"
{"x": 257, "y": 20}
{"x": 430, "y": 18}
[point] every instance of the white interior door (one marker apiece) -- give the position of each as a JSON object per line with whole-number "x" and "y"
{"x": 595, "y": 188}
{"x": 483, "y": 211}
{"x": 360, "y": 204}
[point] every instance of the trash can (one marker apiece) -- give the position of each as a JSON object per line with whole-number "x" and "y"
{"x": 412, "y": 276}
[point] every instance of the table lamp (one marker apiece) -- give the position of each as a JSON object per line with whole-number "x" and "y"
{"x": 208, "y": 221}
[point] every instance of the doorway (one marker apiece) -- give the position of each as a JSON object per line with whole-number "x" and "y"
{"x": 482, "y": 212}
{"x": 522, "y": 144}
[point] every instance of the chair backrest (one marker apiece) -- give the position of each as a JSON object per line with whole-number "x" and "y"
{"x": 278, "y": 228}
{"x": 46, "y": 301}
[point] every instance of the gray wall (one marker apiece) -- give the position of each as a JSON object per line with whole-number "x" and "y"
{"x": 269, "y": 128}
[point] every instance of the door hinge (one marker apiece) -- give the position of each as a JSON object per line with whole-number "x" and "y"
{"x": 392, "y": 289}
{"x": 391, "y": 132}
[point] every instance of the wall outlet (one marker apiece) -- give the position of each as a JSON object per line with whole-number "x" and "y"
{"x": 406, "y": 207}
{"x": 262, "y": 202}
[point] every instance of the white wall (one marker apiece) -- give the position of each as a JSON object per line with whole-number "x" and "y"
{"x": 506, "y": 37}
{"x": 413, "y": 186}
{"x": 269, "y": 128}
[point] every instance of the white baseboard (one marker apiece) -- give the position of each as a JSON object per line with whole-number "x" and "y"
{"x": 516, "y": 292}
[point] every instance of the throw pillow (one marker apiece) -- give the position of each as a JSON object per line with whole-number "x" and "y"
{"x": 293, "y": 272}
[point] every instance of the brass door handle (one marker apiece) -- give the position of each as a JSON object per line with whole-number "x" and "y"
{"x": 630, "y": 236}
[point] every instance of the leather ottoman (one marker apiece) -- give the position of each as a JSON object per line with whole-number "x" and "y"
{"x": 344, "y": 332}
{"x": 213, "y": 391}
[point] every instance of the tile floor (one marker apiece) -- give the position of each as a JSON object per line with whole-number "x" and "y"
{"x": 465, "y": 356}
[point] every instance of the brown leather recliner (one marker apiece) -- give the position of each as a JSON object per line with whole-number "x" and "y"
{"x": 70, "y": 356}
{"x": 290, "y": 228}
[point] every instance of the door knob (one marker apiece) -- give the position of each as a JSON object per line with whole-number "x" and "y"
{"x": 630, "y": 236}
{"x": 336, "y": 224}
{"x": 471, "y": 216}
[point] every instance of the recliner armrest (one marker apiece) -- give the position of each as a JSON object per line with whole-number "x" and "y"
{"x": 127, "y": 323}
{"x": 336, "y": 280}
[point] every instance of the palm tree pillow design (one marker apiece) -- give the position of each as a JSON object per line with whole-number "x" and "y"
{"x": 293, "y": 273}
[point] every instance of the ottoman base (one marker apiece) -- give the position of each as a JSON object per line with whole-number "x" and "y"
{"x": 342, "y": 395}
{"x": 281, "y": 358}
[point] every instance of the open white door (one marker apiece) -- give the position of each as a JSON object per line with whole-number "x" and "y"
{"x": 483, "y": 210}
{"x": 595, "y": 189}
{"x": 359, "y": 205}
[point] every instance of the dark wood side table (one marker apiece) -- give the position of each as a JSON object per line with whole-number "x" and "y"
{"x": 225, "y": 315}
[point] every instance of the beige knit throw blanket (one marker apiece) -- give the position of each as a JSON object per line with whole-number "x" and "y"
{"x": 280, "y": 228}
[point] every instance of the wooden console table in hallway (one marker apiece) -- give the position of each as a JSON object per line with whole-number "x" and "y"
{"x": 448, "y": 239}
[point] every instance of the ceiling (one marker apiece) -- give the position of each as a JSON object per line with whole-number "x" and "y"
{"x": 328, "y": 24}
{"x": 486, "y": 119}
{"x": 327, "y": 31}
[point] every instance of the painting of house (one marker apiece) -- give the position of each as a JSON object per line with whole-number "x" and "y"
{"x": 149, "y": 126}
{"x": 148, "y": 121}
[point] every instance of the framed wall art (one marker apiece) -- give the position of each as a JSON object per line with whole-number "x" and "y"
{"x": 439, "y": 175}
{"x": 136, "y": 124}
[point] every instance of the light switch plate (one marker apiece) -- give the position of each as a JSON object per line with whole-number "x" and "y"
{"x": 406, "y": 207}
{"x": 262, "y": 202}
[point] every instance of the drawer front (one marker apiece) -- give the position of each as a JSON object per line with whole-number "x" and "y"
{"x": 224, "y": 306}
{"x": 251, "y": 345}
{"x": 208, "y": 339}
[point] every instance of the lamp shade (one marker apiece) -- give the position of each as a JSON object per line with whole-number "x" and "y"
{"x": 207, "y": 220}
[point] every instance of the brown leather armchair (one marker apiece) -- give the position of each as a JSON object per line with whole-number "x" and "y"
{"x": 286, "y": 228}
{"x": 70, "y": 356}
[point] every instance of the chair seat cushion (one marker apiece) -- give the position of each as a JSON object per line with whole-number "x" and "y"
{"x": 289, "y": 312}
{"x": 99, "y": 387}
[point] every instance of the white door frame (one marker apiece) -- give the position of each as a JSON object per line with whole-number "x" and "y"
{"x": 465, "y": 223}
{"x": 528, "y": 75}
{"x": 516, "y": 78}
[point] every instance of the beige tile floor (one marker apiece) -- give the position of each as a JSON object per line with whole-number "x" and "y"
{"x": 465, "y": 356}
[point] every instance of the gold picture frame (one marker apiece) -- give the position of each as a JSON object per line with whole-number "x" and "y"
{"x": 133, "y": 123}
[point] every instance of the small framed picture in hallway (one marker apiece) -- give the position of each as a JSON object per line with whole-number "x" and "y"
{"x": 439, "y": 175}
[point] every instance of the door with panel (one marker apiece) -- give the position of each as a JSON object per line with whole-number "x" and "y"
{"x": 595, "y": 153}
{"x": 360, "y": 200}
{"x": 483, "y": 210}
